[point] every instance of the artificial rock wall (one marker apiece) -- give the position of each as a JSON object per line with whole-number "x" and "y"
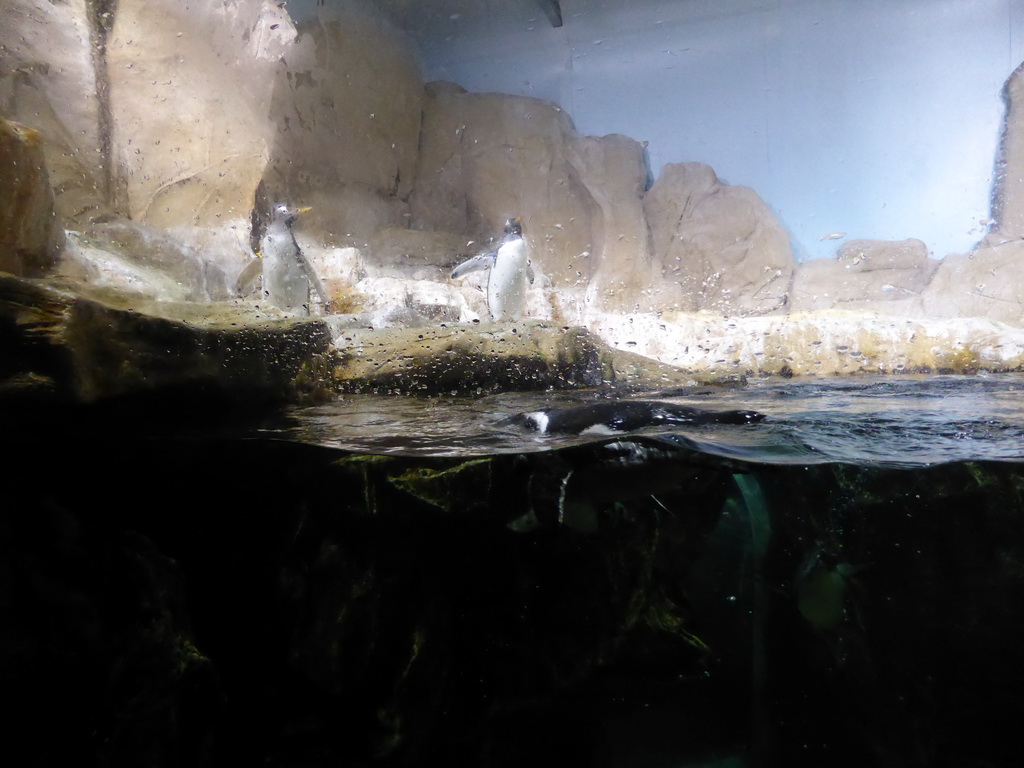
{"x": 164, "y": 124}
{"x": 347, "y": 104}
{"x": 30, "y": 235}
{"x": 51, "y": 80}
{"x": 175, "y": 114}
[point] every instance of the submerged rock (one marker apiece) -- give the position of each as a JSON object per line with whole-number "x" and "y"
{"x": 495, "y": 610}
{"x": 376, "y": 610}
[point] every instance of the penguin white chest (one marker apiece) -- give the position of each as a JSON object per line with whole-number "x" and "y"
{"x": 506, "y": 286}
{"x": 284, "y": 281}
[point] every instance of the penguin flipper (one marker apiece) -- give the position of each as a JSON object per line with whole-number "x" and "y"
{"x": 529, "y": 272}
{"x": 475, "y": 264}
{"x": 315, "y": 283}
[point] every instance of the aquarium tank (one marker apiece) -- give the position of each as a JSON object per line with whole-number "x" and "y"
{"x": 612, "y": 383}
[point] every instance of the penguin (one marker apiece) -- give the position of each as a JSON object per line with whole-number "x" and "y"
{"x": 509, "y": 269}
{"x": 289, "y": 280}
{"x": 614, "y": 417}
{"x": 821, "y": 588}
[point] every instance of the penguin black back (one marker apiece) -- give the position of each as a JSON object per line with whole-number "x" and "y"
{"x": 625, "y": 416}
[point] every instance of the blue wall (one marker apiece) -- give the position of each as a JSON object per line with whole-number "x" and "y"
{"x": 878, "y": 118}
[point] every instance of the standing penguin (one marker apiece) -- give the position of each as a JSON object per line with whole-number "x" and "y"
{"x": 510, "y": 268}
{"x": 288, "y": 278}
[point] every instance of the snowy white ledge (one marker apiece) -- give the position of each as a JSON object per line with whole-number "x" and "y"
{"x": 823, "y": 343}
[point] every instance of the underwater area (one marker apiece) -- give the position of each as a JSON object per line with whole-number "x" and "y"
{"x": 418, "y": 581}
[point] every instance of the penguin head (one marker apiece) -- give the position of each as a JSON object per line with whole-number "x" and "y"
{"x": 534, "y": 421}
{"x": 282, "y": 212}
{"x": 514, "y": 226}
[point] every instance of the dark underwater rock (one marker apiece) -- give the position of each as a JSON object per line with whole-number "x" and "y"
{"x": 274, "y": 603}
{"x": 67, "y": 344}
{"x": 70, "y": 344}
{"x": 353, "y": 609}
{"x": 925, "y": 573}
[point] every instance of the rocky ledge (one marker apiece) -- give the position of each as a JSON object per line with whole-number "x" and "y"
{"x": 69, "y": 343}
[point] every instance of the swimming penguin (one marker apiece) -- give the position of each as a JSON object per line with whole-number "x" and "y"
{"x": 510, "y": 268}
{"x": 624, "y": 416}
{"x": 289, "y": 281}
{"x": 821, "y": 588}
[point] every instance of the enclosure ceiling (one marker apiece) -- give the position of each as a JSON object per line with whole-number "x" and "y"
{"x": 412, "y": 14}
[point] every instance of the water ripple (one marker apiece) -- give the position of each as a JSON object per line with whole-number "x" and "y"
{"x": 896, "y": 421}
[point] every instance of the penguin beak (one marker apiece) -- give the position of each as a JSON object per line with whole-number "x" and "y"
{"x": 306, "y": 209}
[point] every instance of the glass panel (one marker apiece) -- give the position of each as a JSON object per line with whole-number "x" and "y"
{"x": 476, "y": 381}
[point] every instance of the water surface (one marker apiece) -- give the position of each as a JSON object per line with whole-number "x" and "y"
{"x": 898, "y": 421}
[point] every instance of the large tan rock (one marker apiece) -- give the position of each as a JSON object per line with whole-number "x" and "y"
{"x": 889, "y": 276}
{"x": 419, "y": 253}
{"x": 52, "y": 78}
{"x": 70, "y": 343}
{"x": 488, "y": 358}
{"x": 1008, "y": 199}
{"x": 877, "y": 255}
{"x": 190, "y": 94}
{"x": 347, "y": 107}
{"x": 988, "y": 282}
{"x": 718, "y": 247}
{"x": 614, "y": 171}
{"x": 486, "y": 157}
{"x": 30, "y": 233}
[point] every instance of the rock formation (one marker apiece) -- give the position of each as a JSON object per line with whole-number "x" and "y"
{"x": 486, "y": 157}
{"x": 30, "y": 233}
{"x": 347, "y": 100}
{"x": 71, "y": 345}
{"x": 53, "y": 79}
{"x": 139, "y": 259}
{"x": 718, "y": 247}
{"x": 988, "y": 282}
{"x": 984, "y": 283}
{"x": 489, "y": 358}
{"x": 888, "y": 276}
{"x": 190, "y": 96}
{"x": 1008, "y": 197}
{"x": 614, "y": 170}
